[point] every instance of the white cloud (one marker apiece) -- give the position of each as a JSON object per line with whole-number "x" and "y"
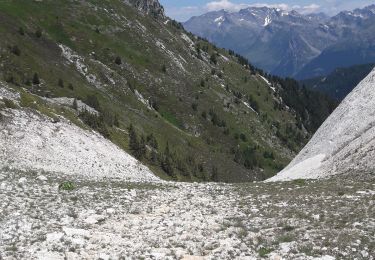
{"x": 313, "y": 8}
{"x": 233, "y": 7}
{"x": 224, "y": 4}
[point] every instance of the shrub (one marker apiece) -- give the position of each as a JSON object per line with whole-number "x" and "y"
{"x": 21, "y": 31}
{"x": 164, "y": 68}
{"x": 15, "y": 50}
{"x": 118, "y": 60}
{"x": 9, "y": 103}
{"x": 38, "y": 33}
{"x": 70, "y": 86}
{"x": 68, "y": 186}
{"x": 194, "y": 106}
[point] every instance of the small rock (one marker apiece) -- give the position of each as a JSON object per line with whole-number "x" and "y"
{"x": 364, "y": 253}
{"x": 42, "y": 178}
{"x": 54, "y": 237}
{"x": 22, "y": 180}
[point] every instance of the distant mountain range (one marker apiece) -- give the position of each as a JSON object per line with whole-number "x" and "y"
{"x": 289, "y": 43}
{"x": 339, "y": 83}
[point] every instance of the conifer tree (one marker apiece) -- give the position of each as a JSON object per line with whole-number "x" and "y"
{"x": 167, "y": 164}
{"x": 36, "y": 79}
{"x": 75, "y": 105}
{"x": 133, "y": 140}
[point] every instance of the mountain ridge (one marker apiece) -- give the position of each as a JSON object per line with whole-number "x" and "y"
{"x": 302, "y": 39}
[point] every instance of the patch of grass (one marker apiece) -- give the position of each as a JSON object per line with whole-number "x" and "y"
{"x": 171, "y": 119}
{"x": 288, "y": 228}
{"x": 9, "y": 103}
{"x": 286, "y": 238}
{"x": 264, "y": 251}
{"x": 300, "y": 182}
{"x": 67, "y": 186}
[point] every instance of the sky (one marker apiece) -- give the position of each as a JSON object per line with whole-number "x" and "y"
{"x": 182, "y": 10}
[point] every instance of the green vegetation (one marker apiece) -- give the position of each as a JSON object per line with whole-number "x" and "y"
{"x": 263, "y": 251}
{"x": 299, "y": 182}
{"x": 9, "y": 103}
{"x": 67, "y": 186}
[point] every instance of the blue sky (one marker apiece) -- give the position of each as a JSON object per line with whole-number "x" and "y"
{"x": 182, "y": 10}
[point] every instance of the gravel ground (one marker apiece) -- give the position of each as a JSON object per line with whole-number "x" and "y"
{"x": 113, "y": 219}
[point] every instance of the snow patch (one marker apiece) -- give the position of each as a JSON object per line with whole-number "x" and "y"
{"x": 267, "y": 21}
{"x": 219, "y": 20}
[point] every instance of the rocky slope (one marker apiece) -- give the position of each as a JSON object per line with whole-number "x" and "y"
{"x": 152, "y": 7}
{"x": 289, "y": 43}
{"x": 344, "y": 144}
{"x": 31, "y": 141}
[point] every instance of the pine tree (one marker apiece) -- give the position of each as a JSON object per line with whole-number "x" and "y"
{"x": 133, "y": 140}
{"x": 167, "y": 164}
{"x": 75, "y": 105}
{"x": 118, "y": 60}
{"x": 142, "y": 148}
{"x": 116, "y": 122}
{"x": 36, "y": 80}
{"x": 60, "y": 83}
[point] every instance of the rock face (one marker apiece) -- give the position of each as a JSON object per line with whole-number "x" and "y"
{"x": 152, "y": 7}
{"x": 345, "y": 143}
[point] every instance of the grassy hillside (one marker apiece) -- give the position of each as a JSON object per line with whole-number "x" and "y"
{"x": 187, "y": 109}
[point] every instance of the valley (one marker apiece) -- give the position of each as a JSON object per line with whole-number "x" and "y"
{"x": 124, "y": 136}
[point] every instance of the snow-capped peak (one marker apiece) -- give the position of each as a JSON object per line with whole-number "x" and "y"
{"x": 219, "y": 20}
{"x": 267, "y": 21}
